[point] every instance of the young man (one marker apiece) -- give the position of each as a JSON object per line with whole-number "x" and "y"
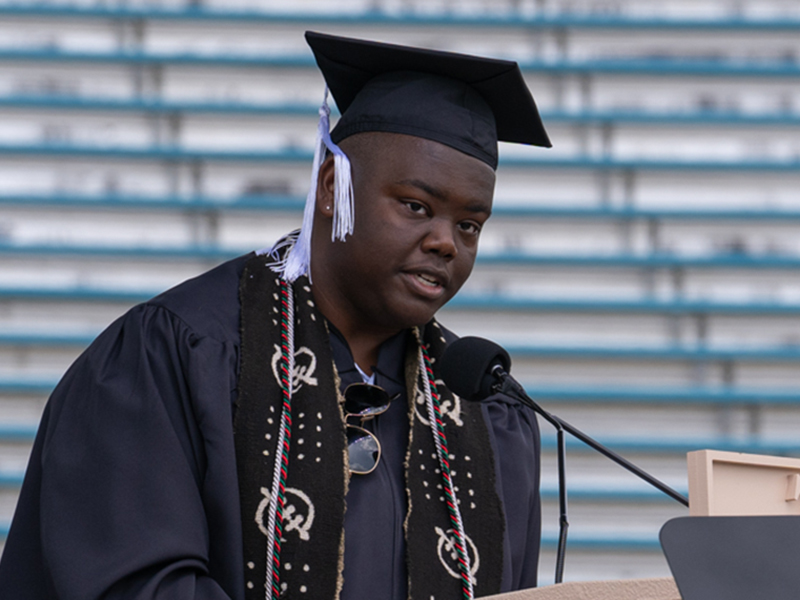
{"x": 210, "y": 443}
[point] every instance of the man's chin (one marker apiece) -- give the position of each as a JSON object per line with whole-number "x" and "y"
{"x": 422, "y": 317}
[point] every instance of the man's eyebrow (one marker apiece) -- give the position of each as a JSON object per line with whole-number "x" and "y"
{"x": 425, "y": 187}
{"x": 441, "y": 195}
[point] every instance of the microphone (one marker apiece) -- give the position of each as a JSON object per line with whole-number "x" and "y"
{"x": 475, "y": 368}
{"x": 468, "y": 366}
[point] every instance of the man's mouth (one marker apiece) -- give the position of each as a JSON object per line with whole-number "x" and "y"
{"x": 427, "y": 280}
{"x": 426, "y": 284}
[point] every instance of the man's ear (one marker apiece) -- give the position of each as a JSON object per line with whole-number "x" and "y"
{"x": 326, "y": 183}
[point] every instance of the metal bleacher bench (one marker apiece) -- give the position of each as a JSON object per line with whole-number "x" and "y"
{"x": 619, "y": 184}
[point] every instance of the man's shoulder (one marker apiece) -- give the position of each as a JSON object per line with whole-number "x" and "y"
{"x": 208, "y": 303}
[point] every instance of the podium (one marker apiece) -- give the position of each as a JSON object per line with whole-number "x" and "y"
{"x": 624, "y": 589}
{"x": 741, "y": 542}
{"x": 736, "y": 484}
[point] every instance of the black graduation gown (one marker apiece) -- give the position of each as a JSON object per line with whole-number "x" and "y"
{"x": 131, "y": 490}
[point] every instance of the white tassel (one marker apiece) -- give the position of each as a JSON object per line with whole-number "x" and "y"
{"x": 343, "y": 215}
{"x": 279, "y": 251}
{"x": 298, "y": 260}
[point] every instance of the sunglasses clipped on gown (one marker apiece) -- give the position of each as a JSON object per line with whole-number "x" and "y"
{"x": 364, "y": 401}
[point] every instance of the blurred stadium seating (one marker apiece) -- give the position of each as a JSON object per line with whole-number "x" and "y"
{"x": 645, "y": 272}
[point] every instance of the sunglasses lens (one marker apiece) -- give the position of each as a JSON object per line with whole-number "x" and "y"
{"x": 365, "y": 400}
{"x": 362, "y": 449}
{"x": 372, "y": 411}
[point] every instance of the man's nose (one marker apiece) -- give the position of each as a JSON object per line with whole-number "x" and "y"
{"x": 441, "y": 239}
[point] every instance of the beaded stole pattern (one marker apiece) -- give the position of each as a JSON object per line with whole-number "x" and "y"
{"x": 290, "y": 439}
{"x": 291, "y": 460}
{"x": 434, "y": 405}
{"x": 277, "y": 501}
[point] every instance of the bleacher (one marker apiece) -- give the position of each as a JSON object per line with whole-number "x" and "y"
{"x": 644, "y": 273}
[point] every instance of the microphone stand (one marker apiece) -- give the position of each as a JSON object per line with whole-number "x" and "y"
{"x": 509, "y": 386}
{"x": 563, "y": 522}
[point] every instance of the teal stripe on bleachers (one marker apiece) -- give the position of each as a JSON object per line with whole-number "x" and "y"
{"x": 507, "y": 258}
{"x": 191, "y": 252}
{"x": 270, "y": 202}
{"x": 671, "y": 119}
{"x": 619, "y": 541}
{"x": 468, "y": 301}
{"x": 578, "y": 492}
{"x": 10, "y": 479}
{"x": 700, "y": 396}
{"x": 14, "y": 433}
{"x": 17, "y": 432}
{"x": 656, "y": 353}
{"x": 409, "y": 18}
{"x": 28, "y": 338}
{"x": 195, "y": 203}
{"x": 563, "y": 394}
{"x": 517, "y": 350}
{"x": 163, "y": 153}
{"x": 627, "y": 446}
{"x": 460, "y": 302}
{"x": 651, "y": 261}
{"x": 589, "y": 117}
{"x": 559, "y": 395}
{"x": 582, "y": 211}
{"x": 680, "y": 66}
{"x": 691, "y": 67}
{"x": 260, "y": 61}
{"x": 159, "y": 106}
{"x": 537, "y": 159}
{"x": 76, "y": 294}
{"x": 28, "y": 386}
{"x": 24, "y": 433}
{"x": 650, "y": 164}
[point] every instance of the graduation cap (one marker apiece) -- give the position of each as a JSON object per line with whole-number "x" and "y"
{"x": 466, "y": 102}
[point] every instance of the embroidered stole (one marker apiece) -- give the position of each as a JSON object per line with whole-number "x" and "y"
{"x": 311, "y": 554}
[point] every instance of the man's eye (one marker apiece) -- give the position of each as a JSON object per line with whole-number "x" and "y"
{"x": 416, "y": 207}
{"x": 470, "y": 227}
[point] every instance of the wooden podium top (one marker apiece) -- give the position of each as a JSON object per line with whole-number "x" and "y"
{"x": 620, "y": 589}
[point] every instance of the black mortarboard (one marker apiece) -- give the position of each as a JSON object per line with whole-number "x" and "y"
{"x": 466, "y": 102}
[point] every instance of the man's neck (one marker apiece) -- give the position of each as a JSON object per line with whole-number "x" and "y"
{"x": 364, "y": 347}
{"x": 363, "y": 338}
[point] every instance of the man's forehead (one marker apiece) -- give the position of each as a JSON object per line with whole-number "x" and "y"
{"x": 430, "y": 166}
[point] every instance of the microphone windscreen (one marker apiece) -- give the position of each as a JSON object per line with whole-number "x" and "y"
{"x": 467, "y": 363}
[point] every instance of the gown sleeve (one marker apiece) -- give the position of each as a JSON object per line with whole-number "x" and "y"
{"x": 514, "y": 433}
{"x": 131, "y": 489}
